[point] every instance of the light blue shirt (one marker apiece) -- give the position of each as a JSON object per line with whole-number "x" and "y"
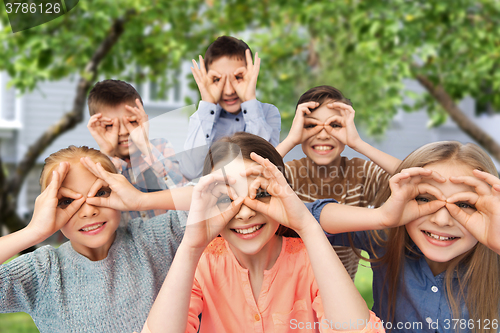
{"x": 210, "y": 123}
{"x": 421, "y": 301}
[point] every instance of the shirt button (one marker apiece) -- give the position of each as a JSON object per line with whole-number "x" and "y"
{"x": 245, "y": 111}
{"x": 237, "y": 119}
{"x": 428, "y": 320}
{"x": 207, "y": 135}
{"x": 257, "y": 317}
{"x": 143, "y": 215}
{"x": 434, "y": 289}
{"x": 212, "y": 112}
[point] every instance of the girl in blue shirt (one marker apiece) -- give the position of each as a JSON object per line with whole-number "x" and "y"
{"x": 437, "y": 269}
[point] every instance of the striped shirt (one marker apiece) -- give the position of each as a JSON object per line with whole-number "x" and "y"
{"x": 354, "y": 182}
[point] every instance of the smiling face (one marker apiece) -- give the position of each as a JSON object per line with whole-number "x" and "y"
{"x": 125, "y": 145}
{"x": 92, "y": 229}
{"x": 229, "y": 99}
{"x": 249, "y": 232}
{"x": 322, "y": 148}
{"x": 439, "y": 236}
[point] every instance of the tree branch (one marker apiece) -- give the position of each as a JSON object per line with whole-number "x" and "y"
{"x": 12, "y": 186}
{"x": 75, "y": 116}
{"x": 466, "y": 124}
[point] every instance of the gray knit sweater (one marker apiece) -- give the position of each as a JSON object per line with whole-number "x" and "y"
{"x": 64, "y": 291}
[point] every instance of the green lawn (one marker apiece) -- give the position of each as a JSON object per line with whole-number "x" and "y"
{"x": 363, "y": 282}
{"x": 22, "y": 322}
{"x": 17, "y": 323}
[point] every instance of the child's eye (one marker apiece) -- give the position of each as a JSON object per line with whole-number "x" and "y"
{"x": 64, "y": 202}
{"x": 465, "y": 205}
{"x": 422, "y": 199}
{"x": 108, "y": 127}
{"x": 224, "y": 200}
{"x": 261, "y": 194}
{"x": 309, "y": 126}
{"x": 216, "y": 80}
{"x": 103, "y": 192}
{"x": 239, "y": 77}
{"x": 335, "y": 125}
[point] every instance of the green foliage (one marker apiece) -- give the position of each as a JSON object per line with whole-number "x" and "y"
{"x": 365, "y": 48}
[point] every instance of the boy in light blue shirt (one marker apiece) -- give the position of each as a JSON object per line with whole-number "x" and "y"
{"x": 227, "y": 80}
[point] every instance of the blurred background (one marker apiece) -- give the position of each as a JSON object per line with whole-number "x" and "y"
{"x": 416, "y": 72}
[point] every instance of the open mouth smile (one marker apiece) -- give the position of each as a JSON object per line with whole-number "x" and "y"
{"x": 247, "y": 233}
{"x": 125, "y": 143}
{"x": 323, "y": 147}
{"x": 439, "y": 238}
{"x": 93, "y": 228}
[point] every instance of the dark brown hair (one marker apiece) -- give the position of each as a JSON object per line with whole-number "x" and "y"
{"x": 226, "y": 46}
{"x": 322, "y": 94}
{"x": 245, "y": 143}
{"x": 111, "y": 93}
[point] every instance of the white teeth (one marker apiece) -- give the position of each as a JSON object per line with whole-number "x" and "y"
{"x": 323, "y": 147}
{"x": 94, "y": 227}
{"x": 124, "y": 142}
{"x": 437, "y": 237}
{"x": 249, "y": 230}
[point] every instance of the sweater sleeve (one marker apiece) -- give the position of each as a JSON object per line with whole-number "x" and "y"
{"x": 22, "y": 280}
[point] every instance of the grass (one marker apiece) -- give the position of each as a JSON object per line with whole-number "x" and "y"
{"x": 363, "y": 282}
{"x": 22, "y": 322}
{"x": 17, "y": 323}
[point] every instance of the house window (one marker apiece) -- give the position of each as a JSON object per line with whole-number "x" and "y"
{"x": 154, "y": 92}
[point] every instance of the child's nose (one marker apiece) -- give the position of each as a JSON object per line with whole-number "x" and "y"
{"x": 323, "y": 134}
{"x": 87, "y": 211}
{"x": 442, "y": 217}
{"x": 123, "y": 130}
{"x": 245, "y": 213}
{"x": 228, "y": 88}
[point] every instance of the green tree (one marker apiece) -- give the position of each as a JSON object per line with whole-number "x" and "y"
{"x": 365, "y": 48}
{"x": 99, "y": 37}
{"x": 130, "y": 39}
{"x": 368, "y": 48}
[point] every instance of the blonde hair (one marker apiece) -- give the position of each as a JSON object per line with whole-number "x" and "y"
{"x": 71, "y": 154}
{"x": 477, "y": 271}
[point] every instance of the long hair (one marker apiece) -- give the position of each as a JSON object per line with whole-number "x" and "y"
{"x": 478, "y": 271}
{"x": 245, "y": 143}
{"x": 72, "y": 154}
